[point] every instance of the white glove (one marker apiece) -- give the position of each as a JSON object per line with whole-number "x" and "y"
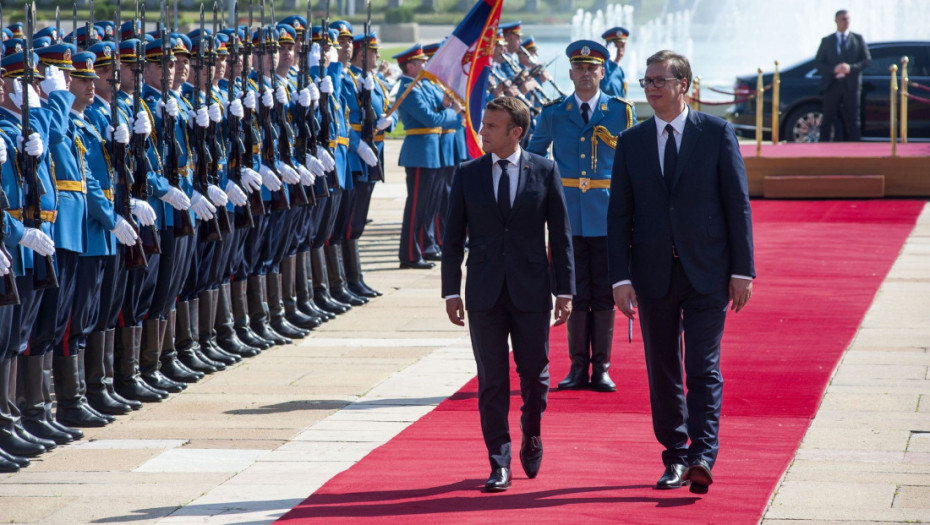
{"x": 54, "y": 80}
{"x": 201, "y": 117}
{"x": 141, "y": 125}
{"x": 280, "y": 95}
{"x": 383, "y": 123}
{"x": 235, "y": 108}
{"x": 36, "y": 240}
{"x": 315, "y": 166}
{"x": 121, "y": 134}
{"x": 34, "y": 146}
{"x": 249, "y": 99}
{"x": 142, "y": 211}
{"x": 269, "y": 179}
{"x": 217, "y": 196}
{"x": 313, "y": 57}
{"x": 306, "y": 178}
{"x": 268, "y": 99}
{"x": 202, "y": 206}
{"x": 288, "y": 174}
{"x": 235, "y": 194}
{"x": 2, "y": 153}
{"x": 366, "y": 154}
{"x": 332, "y": 54}
{"x": 215, "y": 112}
{"x": 171, "y": 107}
{"x": 303, "y": 97}
{"x": 124, "y": 232}
{"x": 250, "y": 180}
{"x": 176, "y": 199}
{"x": 328, "y": 161}
{"x": 368, "y": 82}
{"x": 17, "y": 96}
{"x": 4, "y": 264}
{"x": 326, "y": 85}
{"x": 314, "y": 92}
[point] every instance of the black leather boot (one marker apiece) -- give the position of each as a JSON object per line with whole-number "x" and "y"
{"x": 321, "y": 296}
{"x": 149, "y": 357}
{"x": 179, "y": 346}
{"x": 127, "y": 380}
{"x": 48, "y": 365}
{"x": 13, "y": 437}
{"x": 224, "y": 325}
{"x": 602, "y": 333}
{"x": 97, "y": 395}
{"x": 202, "y": 315}
{"x": 304, "y": 288}
{"x": 579, "y": 335}
{"x": 208, "y": 326}
{"x": 82, "y": 385}
{"x": 276, "y": 312}
{"x": 109, "y": 370}
{"x": 352, "y": 264}
{"x": 337, "y": 277}
{"x": 31, "y": 401}
{"x": 8, "y": 464}
{"x": 259, "y": 316}
{"x": 292, "y": 313}
{"x": 70, "y": 409}
{"x": 241, "y": 320}
{"x": 186, "y": 340}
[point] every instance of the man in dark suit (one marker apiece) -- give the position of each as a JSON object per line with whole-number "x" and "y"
{"x": 505, "y": 201}
{"x": 679, "y": 238}
{"x": 840, "y": 60}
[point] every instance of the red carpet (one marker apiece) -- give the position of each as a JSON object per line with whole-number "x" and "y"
{"x": 819, "y": 266}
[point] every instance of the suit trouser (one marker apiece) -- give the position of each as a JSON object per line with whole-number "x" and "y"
{"x": 85, "y": 310}
{"x": 54, "y": 308}
{"x": 24, "y": 314}
{"x": 361, "y": 196}
{"x": 838, "y": 96}
{"x": 438, "y": 227}
{"x": 529, "y": 333}
{"x": 592, "y": 284}
{"x": 677, "y": 416}
{"x": 419, "y": 211}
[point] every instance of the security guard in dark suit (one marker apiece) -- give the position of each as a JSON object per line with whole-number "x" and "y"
{"x": 583, "y": 130}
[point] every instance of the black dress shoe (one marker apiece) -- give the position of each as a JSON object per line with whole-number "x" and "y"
{"x": 671, "y": 478}
{"x": 433, "y": 256}
{"x": 531, "y": 452}
{"x": 699, "y": 476}
{"x": 499, "y": 480}
{"x": 417, "y": 265}
{"x": 601, "y": 382}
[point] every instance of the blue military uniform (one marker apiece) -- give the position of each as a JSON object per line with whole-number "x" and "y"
{"x": 614, "y": 81}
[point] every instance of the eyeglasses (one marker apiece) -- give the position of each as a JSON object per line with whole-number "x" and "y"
{"x": 656, "y": 82}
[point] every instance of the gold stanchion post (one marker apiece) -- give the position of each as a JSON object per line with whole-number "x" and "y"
{"x": 760, "y": 91}
{"x": 776, "y": 104}
{"x": 696, "y": 94}
{"x": 904, "y": 81}
{"x": 894, "y": 107}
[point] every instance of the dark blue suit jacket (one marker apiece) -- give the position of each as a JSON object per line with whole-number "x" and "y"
{"x": 511, "y": 248}
{"x": 705, "y": 212}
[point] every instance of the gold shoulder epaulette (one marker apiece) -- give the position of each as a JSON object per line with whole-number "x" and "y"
{"x": 625, "y": 101}
{"x": 553, "y": 102}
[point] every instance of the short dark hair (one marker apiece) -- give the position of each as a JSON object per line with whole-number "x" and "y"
{"x": 680, "y": 65}
{"x": 840, "y": 12}
{"x": 519, "y": 113}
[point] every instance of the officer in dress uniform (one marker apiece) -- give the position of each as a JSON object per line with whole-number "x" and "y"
{"x": 583, "y": 130}
{"x": 424, "y": 115}
{"x": 614, "y": 82}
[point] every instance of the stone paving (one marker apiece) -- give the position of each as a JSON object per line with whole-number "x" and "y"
{"x": 247, "y": 444}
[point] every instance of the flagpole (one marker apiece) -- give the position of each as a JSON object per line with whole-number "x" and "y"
{"x": 403, "y": 95}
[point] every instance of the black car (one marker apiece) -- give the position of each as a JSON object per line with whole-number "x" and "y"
{"x": 800, "y": 101}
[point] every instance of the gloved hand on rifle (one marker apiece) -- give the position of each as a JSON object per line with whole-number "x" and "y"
{"x": 269, "y": 179}
{"x": 303, "y": 97}
{"x": 315, "y": 166}
{"x": 141, "y": 125}
{"x": 124, "y": 232}
{"x": 306, "y": 178}
{"x": 268, "y": 99}
{"x": 121, "y": 135}
{"x": 326, "y": 84}
{"x": 37, "y": 241}
{"x": 314, "y": 92}
{"x": 235, "y": 194}
{"x": 280, "y": 95}
{"x": 368, "y": 82}
{"x": 328, "y": 162}
{"x": 249, "y": 100}
{"x": 171, "y": 107}
{"x": 142, "y": 211}
{"x": 200, "y": 117}
{"x": 34, "y": 146}
{"x": 288, "y": 174}
{"x": 215, "y": 111}
{"x": 217, "y": 196}
{"x": 202, "y": 206}
{"x": 383, "y": 123}
{"x": 313, "y": 57}
{"x": 5, "y": 264}
{"x": 366, "y": 154}
{"x": 235, "y": 108}
{"x": 251, "y": 180}
{"x": 176, "y": 199}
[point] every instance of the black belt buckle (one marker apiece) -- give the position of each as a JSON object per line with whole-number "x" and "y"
{"x": 674, "y": 252}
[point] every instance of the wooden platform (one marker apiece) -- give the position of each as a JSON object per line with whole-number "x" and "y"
{"x": 838, "y": 170}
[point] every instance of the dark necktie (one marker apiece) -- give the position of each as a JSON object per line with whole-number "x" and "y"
{"x": 584, "y": 111}
{"x": 671, "y": 154}
{"x": 503, "y": 189}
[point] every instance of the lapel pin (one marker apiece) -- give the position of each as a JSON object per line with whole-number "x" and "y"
{"x": 568, "y": 107}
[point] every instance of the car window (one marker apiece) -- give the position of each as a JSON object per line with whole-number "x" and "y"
{"x": 883, "y": 59}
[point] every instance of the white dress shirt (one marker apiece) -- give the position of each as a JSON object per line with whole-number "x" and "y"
{"x": 591, "y": 102}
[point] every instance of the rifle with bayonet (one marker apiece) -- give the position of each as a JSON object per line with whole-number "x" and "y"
{"x": 183, "y": 225}
{"x": 134, "y": 255}
{"x": 57, "y": 38}
{"x": 210, "y": 228}
{"x": 148, "y": 235}
{"x": 243, "y": 214}
{"x": 91, "y": 37}
{"x": 45, "y": 274}
{"x": 326, "y": 118}
{"x": 539, "y": 69}
{"x": 312, "y": 126}
{"x": 213, "y": 130}
{"x": 250, "y": 138}
{"x": 279, "y": 200}
{"x": 364, "y": 101}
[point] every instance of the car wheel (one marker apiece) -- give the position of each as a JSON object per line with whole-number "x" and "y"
{"x": 803, "y": 124}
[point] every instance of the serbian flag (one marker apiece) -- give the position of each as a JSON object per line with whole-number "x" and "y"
{"x": 462, "y": 65}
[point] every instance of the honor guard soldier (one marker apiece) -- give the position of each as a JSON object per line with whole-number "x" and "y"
{"x": 424, "y": 116}
{"x": 529, "y": 43}
{"x": 614, "y": 82}
{"x": 583, "y": 130}
{"x": 16, "y": 30}
{"x": 32, "y": 210}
